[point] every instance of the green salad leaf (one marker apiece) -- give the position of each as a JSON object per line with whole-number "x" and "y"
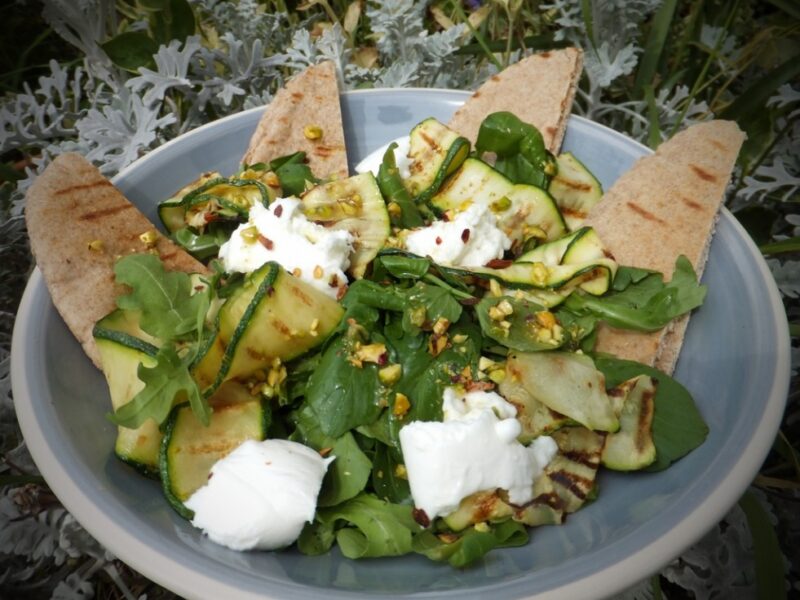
{"x": 391, "y": 185}
{"x": 464, "y": 548}
{"x": 167, "y": 383}
{"x": 348, "y": 473}
{"x": 678, "y": 426}
{"x": 364, "y": 527}
{"x": 166, "y": 300}
{"x": 519, "y": 147}
{"x": 646, "y": 303}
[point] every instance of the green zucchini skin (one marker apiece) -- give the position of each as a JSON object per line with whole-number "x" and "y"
{"x": 575, "y": 189}
{"x": 356, "y": 205}
{"x": 189, "y": 449}
{"x": 436, "y": 151}
{"x": 122, "y": 353}
{"x": 522, "y": 210}
{"x": 272, "y": 315}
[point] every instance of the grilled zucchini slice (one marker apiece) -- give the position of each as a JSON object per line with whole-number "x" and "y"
{"x": 575, "y": 190}
{"x": 356, "y": 205}
{"x": 272, "y": 315}
{"x": 435, "y": 151}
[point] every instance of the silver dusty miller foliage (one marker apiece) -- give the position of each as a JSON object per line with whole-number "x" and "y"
{"x": 112, "y": 117}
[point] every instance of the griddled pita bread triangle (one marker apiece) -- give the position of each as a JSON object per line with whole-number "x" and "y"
{"x": 310, "y": 99}
{"x": 538, "y": 89}
{"x": 665, "y": 206}
{"x": 70, "y": 206}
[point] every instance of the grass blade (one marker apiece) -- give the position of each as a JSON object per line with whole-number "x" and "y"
{"x": 648, "y": 65}
{"x": 588, "y": 21}
{"x": 770, "y": 576}
{"x": 790, "y": 7}
{"x": 654, "y": 129}
{"x": 752, "y": 100}
{"x": 790, "y": 245}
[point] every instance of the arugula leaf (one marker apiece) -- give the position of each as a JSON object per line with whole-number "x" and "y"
{"x": 168, "y": 382}
{"x": 165, "y": 300}
{"x": 348, "y": 474}
{"x": 393, "y": 190}
{"x": 646, "y": 304}
{"x": 404, "y": 266}
{"x": 373, "y": 527}
{"x": 471, "y": 544}
{"x": 678, "y": 426}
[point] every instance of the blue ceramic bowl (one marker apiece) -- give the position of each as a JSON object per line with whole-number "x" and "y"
{"x": 735, "y": 361}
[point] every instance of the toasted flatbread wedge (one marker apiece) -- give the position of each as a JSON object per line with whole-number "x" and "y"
{"x": 538, "y": 89}
{"x": 79, "y": 224}
{"x": 665, "y": 206}
{"x": 311, "y": 99}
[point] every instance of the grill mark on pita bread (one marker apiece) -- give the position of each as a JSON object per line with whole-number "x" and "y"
{"x": 82, "y": 187}
{"x": 105, "y": 212}
{"x": 691, "y": 203}
{"x": 717, "y": 144}
{"x": 323, "y": 150}
{"x": 702, "y": 174}
{"x": 645, "y": 214}
{"x": 297, "y": 95}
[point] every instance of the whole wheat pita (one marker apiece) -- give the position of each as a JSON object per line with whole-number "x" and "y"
{"x": 79, "y": 224}
{"x": 304, "y": 116}
{"x": 665, "y": 206}
{"x": 538, "y": 89}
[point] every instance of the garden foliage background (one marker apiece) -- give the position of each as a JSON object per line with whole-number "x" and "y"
{"x": 112, "y": 80}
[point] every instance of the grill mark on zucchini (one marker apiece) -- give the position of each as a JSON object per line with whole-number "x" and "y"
{"x": 573, "y": 483}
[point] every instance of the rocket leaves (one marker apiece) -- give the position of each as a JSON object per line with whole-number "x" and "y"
{"x": 173, "y": 311}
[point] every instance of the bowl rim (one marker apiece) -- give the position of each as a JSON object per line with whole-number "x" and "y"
{"x": 174, "y": 574}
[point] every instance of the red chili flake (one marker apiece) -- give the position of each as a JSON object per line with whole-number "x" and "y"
{"x": 421, "y": 517}
{"x": 383, "y": 359}
{"x": 465, "y": 236}
{"x": 499, "y": 263}
{"x": 266, "y": 242}
{"x": 209, "y": 217}
{"x": 278, "y": 210}
{"x": 438, "y": 240}
{"x": 334, "y": 281}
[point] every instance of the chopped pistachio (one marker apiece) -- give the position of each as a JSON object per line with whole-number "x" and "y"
{"x": 250, "y": 234}
{"x": 505, "y": 307}
{"x": 464, "y": 205}
{"x": 546, "y": 319}
{"x": 312, "y": 132}
{"x": 440, "y": 326}
{"x": 401, "y": 405}
{"x": 297, "y": 272}
{"x": 374, "y": 353}
{"x": 394, "y": 210}
{"x": 390, "y": 374}
{"x": 460, "y": 338}
{"x": 95, "y": 245}
{"x": 497, "y": 375}
{"x": 494, "y": 288}
{"x": 401, "y": 471}
{"x": 485, "y": 364}
{"x": 500, "y": 205}
{"x": 495, "y": 314}
{"x": 483, "y": 527}
{"x": 149, "y": 238}
{"x": 437, "y": 344}
{"x": 540, "y": 273}
{"x": 271, "y": 179}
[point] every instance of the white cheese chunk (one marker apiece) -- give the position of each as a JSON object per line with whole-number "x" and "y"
{"x": 475, "y": 448}
{"x": 372, "y": 162}
{"x": 283, "y": 234}
{"x": 260, "y": 495}
{"x": 471, "y": 239}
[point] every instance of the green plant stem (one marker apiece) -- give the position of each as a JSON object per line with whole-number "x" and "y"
{"x": 706, "y": 66}
{"x": 770, "y": 576}
{"x": 478, "y": 37}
